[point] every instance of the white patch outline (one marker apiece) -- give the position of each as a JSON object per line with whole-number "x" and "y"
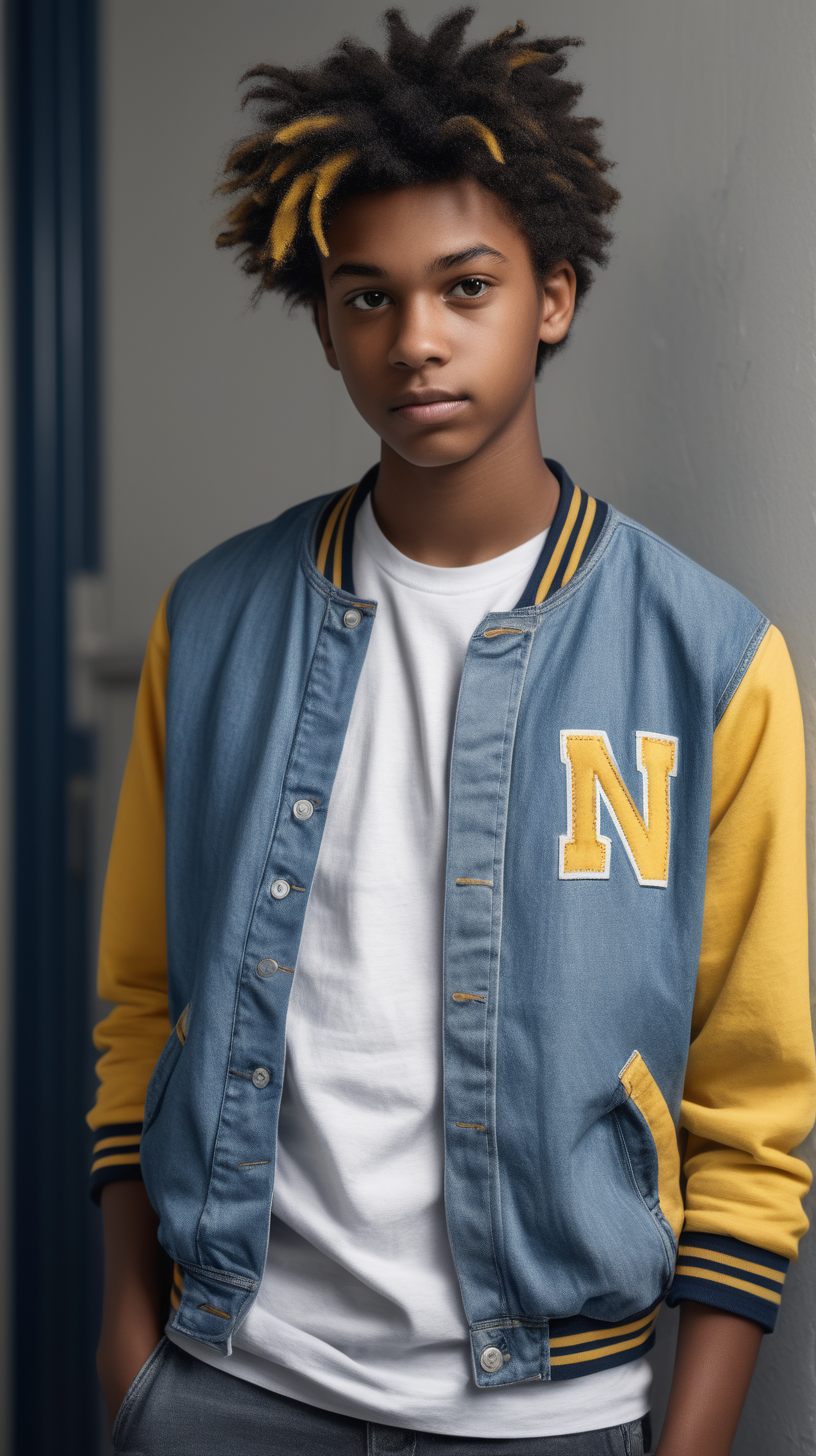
{"x": 565, "y": 839}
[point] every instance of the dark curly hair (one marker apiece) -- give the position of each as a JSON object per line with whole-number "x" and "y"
{"x": 429, "y": 110}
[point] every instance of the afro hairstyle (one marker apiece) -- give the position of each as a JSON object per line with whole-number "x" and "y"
{"x": 428, "y": 110}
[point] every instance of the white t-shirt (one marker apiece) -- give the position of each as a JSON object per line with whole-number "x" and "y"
{"x": 359, "y": 1310}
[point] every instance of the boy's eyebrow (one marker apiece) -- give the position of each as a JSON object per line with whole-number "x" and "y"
{"x": 453, "y": 260}
{"x": 439, "y": 265}
{"x": 357, "y": 270}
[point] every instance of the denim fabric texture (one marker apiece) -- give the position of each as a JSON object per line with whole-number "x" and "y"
{"x": 551, "y": 1174}
{"x": 178, "y": 1406}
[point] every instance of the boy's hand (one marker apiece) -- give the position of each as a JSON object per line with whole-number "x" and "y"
{"x": 716, "y": 1355}
{"x": 137, "y": 1285}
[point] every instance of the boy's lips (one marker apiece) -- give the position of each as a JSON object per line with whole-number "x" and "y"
{"x": 428, "y": 406}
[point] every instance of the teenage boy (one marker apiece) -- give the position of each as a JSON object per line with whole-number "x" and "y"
{"x": 477, "y": 813}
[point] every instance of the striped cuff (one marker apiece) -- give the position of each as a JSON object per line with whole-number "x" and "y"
{"x": 731, "y": 1275}
{"x": 115, "y": 1156}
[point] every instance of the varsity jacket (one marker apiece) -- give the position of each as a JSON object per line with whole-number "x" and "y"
{"x": 627, "y": 1051}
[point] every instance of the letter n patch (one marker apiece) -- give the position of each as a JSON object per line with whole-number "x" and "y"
{"x": 593, "y": 775}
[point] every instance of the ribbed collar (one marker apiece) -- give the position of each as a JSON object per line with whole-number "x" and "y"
{"x": 575, "y": 528}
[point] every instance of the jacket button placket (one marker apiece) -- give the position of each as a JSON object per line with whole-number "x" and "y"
{"x": 489, "y": 699}
{"x": 278, "y": 921}
{"x": 247, "y": 1131}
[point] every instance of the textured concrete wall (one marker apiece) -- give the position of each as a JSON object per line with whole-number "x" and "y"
{"x": 686, "y": 396}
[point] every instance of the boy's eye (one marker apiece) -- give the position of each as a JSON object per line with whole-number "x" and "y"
{"x": 369, "y": 300}
{"x": 470, "y": 288}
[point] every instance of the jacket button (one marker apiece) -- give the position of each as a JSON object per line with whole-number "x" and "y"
{"x": 267, "y": 968}
{"x": 303, "y": 809}
{"x": 260, "y": 1078}
{"x": 279, "y": 889}
{"x": 352, "y": 618}
{"x": 491, "y": 1359}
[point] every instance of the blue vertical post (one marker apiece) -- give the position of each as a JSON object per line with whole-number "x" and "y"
{"x": 51, "y": 58}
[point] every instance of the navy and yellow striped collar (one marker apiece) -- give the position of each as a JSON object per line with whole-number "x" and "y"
{"x": 335, "y": 532}
{"x": 575, "y": 528}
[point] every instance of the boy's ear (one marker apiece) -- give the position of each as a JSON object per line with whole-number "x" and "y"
{"x": 320, "y": 314}
{"x": 557, "y": 302}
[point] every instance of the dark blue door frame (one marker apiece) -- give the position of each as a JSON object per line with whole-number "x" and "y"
{"x": 51, "y": 61}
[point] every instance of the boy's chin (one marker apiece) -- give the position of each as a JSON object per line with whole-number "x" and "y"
{"x": 434, "y": 451}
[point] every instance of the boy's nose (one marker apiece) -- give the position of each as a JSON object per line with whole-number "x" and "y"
{"x": 419, "y": 339}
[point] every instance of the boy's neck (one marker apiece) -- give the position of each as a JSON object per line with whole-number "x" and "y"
{"x": 472, "y": 510}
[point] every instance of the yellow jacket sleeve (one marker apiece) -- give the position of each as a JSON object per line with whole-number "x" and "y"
{"x": 750, "y": 1082}
{"x": 133, "y": 941}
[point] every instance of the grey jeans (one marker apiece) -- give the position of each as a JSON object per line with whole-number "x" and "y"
{"x": 178, "y": 1406}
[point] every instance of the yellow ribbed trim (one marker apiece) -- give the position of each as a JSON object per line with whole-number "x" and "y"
{"x": 581, "y": 1356}
{"x": 297, "y": 129}
{"x": 120, "y": 1162}
{"x": 470, "y": 123}
{"x": 132, "y": 1140}
{"x": 710, "y": 1278}
{"x": 744, "y": 1264}
{"x": 645, "y": 1093}
{"x": 337, "y": 575}
{"x": 329, "y": 527}
{"x": 561, "y": 546}
{"x": 577, "y": 550}
{"x": 587, "y": 1337}
{"x": 328, "y": 174}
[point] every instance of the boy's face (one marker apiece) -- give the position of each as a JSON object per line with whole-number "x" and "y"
{"x": 433, "y": 315}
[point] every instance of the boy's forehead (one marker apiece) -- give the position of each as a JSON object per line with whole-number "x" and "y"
{"x": 416, "y": 226}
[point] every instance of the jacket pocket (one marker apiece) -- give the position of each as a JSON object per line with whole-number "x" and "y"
{"x": 649, "y": 1134}
{"x": 165, "y": 1066}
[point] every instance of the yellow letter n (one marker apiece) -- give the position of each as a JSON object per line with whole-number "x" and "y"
{"x": 593, "y": 775}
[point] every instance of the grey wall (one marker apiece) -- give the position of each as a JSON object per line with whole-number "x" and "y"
{"x": 686, "y": 397}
